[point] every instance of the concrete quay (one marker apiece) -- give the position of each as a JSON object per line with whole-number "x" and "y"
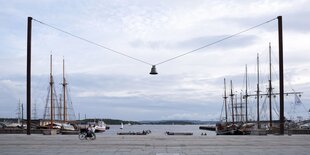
{"x": 15, "y": 144}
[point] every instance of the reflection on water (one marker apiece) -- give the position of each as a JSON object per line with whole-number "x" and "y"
{"x": 159, "y": 130}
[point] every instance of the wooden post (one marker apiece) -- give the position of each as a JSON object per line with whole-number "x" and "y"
{"x": 28, "y": 89}
{"x": 281, "y": 78}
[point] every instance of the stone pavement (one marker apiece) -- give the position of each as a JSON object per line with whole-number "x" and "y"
{"x": 154, "y": 145}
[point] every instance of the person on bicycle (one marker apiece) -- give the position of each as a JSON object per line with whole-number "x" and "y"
{"x": 93, "y": 129}
{"x": 89, "y": 130}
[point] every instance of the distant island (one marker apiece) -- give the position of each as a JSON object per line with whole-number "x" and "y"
{"x": 152, "y": 122}
{"x": 177, "y": 122}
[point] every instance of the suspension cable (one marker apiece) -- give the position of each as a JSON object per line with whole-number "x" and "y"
{"x": 142, "y": 61}
{"x": 215, "y": 42}
{"x": 91, "y": 42}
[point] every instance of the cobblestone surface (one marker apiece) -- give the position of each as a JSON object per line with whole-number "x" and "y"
{"x": 154, "y": 145}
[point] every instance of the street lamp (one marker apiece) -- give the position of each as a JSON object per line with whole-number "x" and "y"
{"x": 153, "y": 70}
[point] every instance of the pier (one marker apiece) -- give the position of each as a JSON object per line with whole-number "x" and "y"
{"x": 15, "y": 144}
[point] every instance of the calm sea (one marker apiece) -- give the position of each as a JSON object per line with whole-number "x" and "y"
{"x": 158, "y": 129}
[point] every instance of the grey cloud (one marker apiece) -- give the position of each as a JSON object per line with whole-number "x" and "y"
{"x": 194, "y": 43}
{"x": 248, "y": 22}
{"x": 151, "y": 44}
{"x": 238, "y": 41}
{"x": 297, "y": 21}
{"x": 135, "y": 97}
{"x": 111, "y": 107}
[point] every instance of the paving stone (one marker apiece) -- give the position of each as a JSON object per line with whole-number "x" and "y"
{"x": 154, "y": 145}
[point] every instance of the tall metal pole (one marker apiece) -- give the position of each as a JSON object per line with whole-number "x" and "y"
{"x": 28, "y": 89}
{"x": 281, "y": 78}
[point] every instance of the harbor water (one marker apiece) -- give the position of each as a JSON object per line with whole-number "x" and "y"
{"x": 158, "y": 130}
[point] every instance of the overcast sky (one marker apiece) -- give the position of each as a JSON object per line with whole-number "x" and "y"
{"x": 104, "y": 84}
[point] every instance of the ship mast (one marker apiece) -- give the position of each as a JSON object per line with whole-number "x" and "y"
{"x": 241, "y": 115}
{"x": 22, "y": 115}
{"x": 60, "y": 107}
{"x": 51, "y": 87}
{"x": 269, "y": 92}
{"x": 257, "y": 95}
{"x": 34, "y": 110}
{"x": 225, "y": 100}
{"x": 236, "y": 108}
{"x": 270, "y": 88}
{"x": 64, "y": 84}
{"x": 246, "y": 93}
{"x": 232, "y": 102}
{"x": 18, "y": 112}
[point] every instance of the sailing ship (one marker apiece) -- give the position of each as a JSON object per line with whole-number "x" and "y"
{"x": 232, "y": 127}
{"x": 58, "y": 113}
{"x": 20, "y": 118}
{"x": 238, "y": 123}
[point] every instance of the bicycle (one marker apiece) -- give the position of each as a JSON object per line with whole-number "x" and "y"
{"x": 84, "y": 135}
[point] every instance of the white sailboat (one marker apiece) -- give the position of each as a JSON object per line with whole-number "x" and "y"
{"x": 122, "y": 126}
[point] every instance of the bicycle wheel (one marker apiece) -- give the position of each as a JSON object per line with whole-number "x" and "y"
{"x": 82, "y": 136}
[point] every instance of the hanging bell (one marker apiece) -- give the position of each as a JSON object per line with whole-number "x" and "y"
{"x": 153, "y": 70}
